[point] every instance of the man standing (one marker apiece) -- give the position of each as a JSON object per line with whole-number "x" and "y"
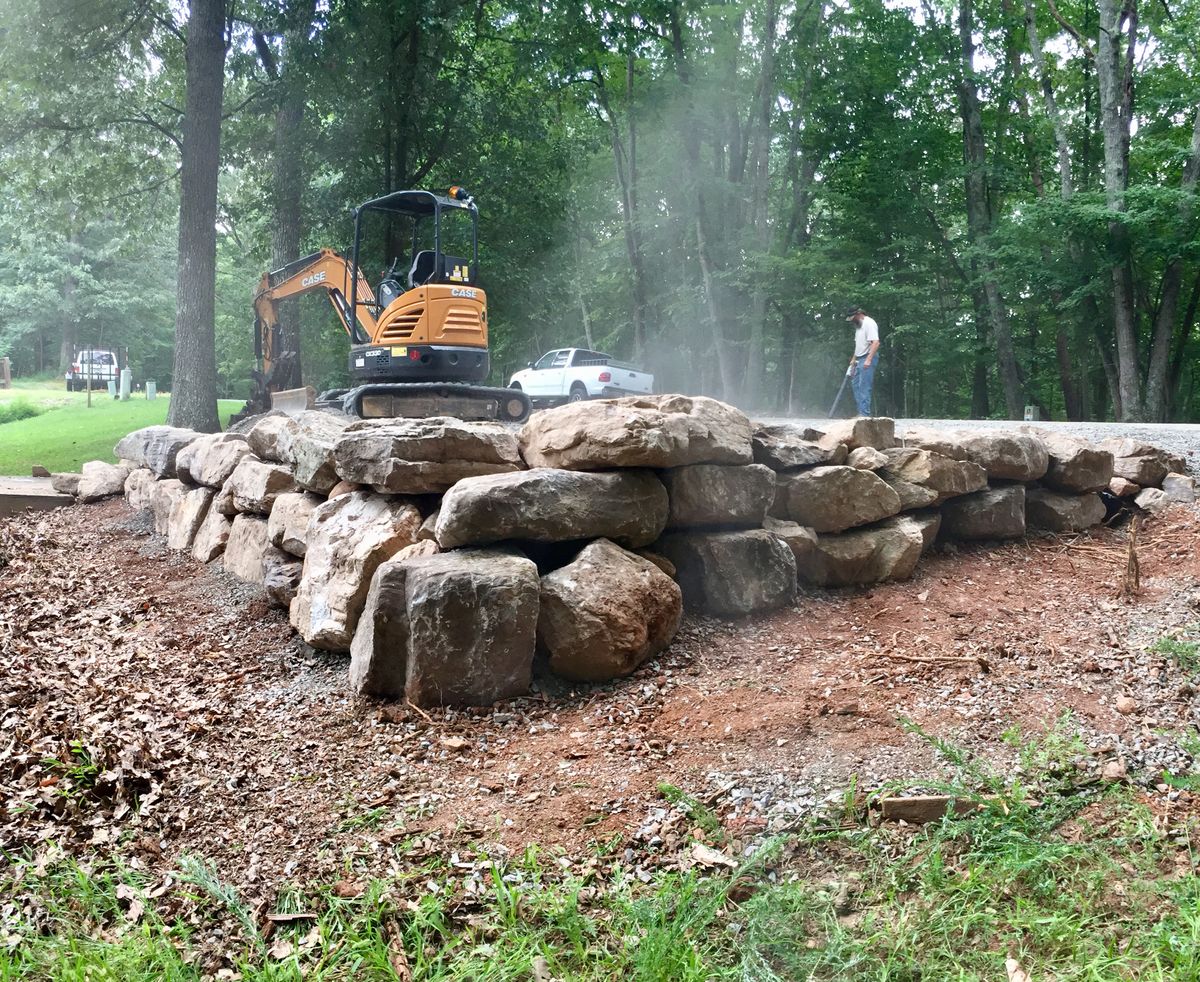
{"x": 862, "y": 364}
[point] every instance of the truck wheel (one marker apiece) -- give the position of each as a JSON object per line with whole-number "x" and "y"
{"x": 578, "y": 393}
{"x": 515, "y": 385}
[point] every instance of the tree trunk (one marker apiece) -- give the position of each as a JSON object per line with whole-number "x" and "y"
{"x": 1172, "y": 286}
{"x": 1114, "y": 68}
{"x": 194, "y": 389}
{"x": 288, "y": 166}
{"x": 979, "y": 215}
{"x": 760, "y": 191}
{"x": 70, "y": 331}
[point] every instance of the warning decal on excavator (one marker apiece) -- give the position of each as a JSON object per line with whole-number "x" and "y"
{"x": 399, "y": 352}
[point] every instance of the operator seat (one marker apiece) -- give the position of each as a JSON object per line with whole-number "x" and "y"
{"x": 389, "y": 290}
{"x": 424, "y": 265}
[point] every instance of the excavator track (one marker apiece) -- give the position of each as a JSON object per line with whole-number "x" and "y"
{"x": 416, "y": 400}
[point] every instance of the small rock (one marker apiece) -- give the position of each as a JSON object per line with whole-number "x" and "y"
{"x": 1113, "y": 770}
{"x": 1125, "y": 705}
{"x": 38, "y": 471}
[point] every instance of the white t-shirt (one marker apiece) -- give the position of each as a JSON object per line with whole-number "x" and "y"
{"x": 867, "y": 332}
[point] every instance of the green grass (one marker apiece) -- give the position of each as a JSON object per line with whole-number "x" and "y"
{"x": 1077, "y": 881}
{"x": 69, "y": 432}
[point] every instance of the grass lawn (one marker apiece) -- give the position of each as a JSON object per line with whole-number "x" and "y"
{"x": 68, "y": 432}
{"x": 1060, "y": 877}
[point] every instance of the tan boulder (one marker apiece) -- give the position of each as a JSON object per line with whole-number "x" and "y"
{"x": 877, "y": 432}
{"x": 1007, "y": 456}
{"x": 550, "y": 505}
{"x": 718, "y": 495}
{"x": 211, "y": 536}
{"x": 348, "y": 538}
{"x": 832, "y": 499}
{"x": 187, "y": 515}
{"x": 255, "y": 484}
{"x": 606, "y": 613}
{"x": 887, "y": 551}
{"x": 101, "y": 480}
{"x": 245, "y": 548}
{"x": 1075, "y": 465}
{"x": 644, "y": 431}
{"x": 420, "y": 456}
{"x": 139, "y": 486}
{"x": 67, "y": 482}
{"x": 788, "y": 446}
{"x": 163, "y": 496}
{"x": 287, "y": 525}
{"x": 944, "y": 475}
{"x": 452, "y": 629}
{"x": 1141, "y": 462}
{"x": 209, "y": 460}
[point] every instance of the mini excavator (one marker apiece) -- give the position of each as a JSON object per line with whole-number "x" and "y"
{"x": 417, "y": 347}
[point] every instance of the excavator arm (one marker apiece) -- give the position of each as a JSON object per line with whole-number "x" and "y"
{"x": 323, "y": 271}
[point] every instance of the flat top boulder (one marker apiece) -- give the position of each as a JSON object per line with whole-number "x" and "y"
{"x": 832, "y": 499}
{"x": 878, "y": 432}
{"x": 1007, "y": 456}
{"x": 644, "y": 431}
{"x": 210, "y": 459}
{"x": 419, "y": 456}
{"x": 787, "y": 446}
{"x": 944, "y": 442}
{"x": 1075, "y": 465}
{"x": 155, "y": 447}
{"x": 551, "y": 505}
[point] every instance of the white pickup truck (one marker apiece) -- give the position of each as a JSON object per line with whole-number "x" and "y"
{"x": 576, "y": 374}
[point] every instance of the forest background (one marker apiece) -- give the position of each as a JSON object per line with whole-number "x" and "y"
{"x": 1007, "y": 186}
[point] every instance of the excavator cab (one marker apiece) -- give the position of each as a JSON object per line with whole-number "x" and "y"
{"x": 419, "y": 342}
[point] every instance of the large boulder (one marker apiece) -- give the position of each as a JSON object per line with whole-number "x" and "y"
{"x": 788, "y": 446}
{"x": 255, "y": 484}
{"x": 452, "y": 629}
{"x": 878, "y": 432}
{"x": 421, "y": 456}
{"x": 731, "y": 574}
{"x": 606, "y": 613}
{"x": 643, "y": 431}
{"x": 311, "y": 453}
{"x": 832, "y": 499}
{"x": 155, "y": 447}
{"x": 944, "y": 475}
{"x": 1179, "y": 488}
{"x": 1007, "y": 456}
{"x": 287, "y": 525}
{"x": 927, "y": 523}
{"x": 1075, "y": 465}
{"x": 1141, "y": 462}
{"x": 945, "y": 442}
{"x": 911, "y": 495}
{"x": 67, "y": 482}
{"x": 800, "y": 539}
{"x": 246, "y": 547}
{"x": 101, "y": 480}
{"x": 209, "y": 460}
{"x": 348, "y": 537}
{"x": 1058, "y": 512}
{"x": 719, "y": 495}
{"x": 163, "y": 496}
{"x": 212, "y": 535}
{"x": 887, "y": 551}
{"x": 138, "y": 487}
{"x": 997, "y": 513}
{"x": 187, "y": 515}
{"x": 549, "y": 505}
{"x": 271, "y": 437}
{"x": 866, "y": 458}
{"x": 281, "y": 574}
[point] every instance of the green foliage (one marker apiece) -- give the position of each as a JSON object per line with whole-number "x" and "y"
{"x": 15, "y": 409}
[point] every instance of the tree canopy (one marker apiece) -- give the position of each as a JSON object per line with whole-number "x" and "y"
{"x": 1008, "y": 187}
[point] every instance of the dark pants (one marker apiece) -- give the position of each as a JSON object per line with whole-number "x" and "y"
{"x": 864, "y": 378}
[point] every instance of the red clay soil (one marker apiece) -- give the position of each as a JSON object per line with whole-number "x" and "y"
{"x": 153, "y": 708}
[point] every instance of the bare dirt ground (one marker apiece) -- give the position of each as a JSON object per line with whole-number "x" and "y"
{"x": 186, "y": 718}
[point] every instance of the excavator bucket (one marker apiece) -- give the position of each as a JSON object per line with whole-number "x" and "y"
{"x": 294, "y": 401}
